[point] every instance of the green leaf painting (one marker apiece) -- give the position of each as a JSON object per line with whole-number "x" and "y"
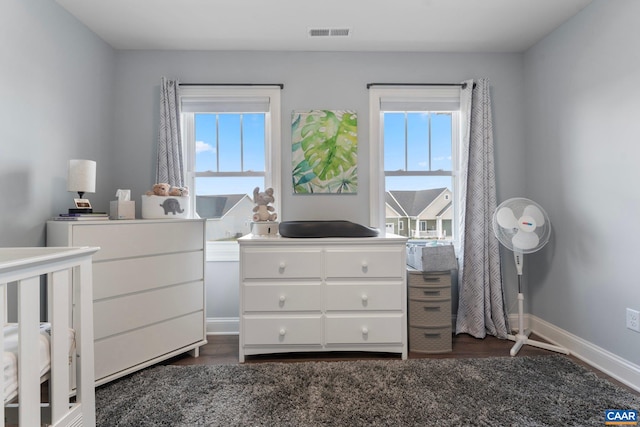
{"x": 324, "y": 152}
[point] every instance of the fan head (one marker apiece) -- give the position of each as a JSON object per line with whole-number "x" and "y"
{"x": 521, "y": 225}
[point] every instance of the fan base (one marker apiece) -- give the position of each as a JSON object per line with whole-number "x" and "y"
{"x": 522, "y": 339}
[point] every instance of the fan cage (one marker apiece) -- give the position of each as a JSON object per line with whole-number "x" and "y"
{"x": 505, "y": 235}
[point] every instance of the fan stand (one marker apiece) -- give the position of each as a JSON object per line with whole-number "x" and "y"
{"x": 522, "y": 337}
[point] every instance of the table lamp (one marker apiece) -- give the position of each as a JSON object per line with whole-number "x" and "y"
{"x": 81, "y": 178}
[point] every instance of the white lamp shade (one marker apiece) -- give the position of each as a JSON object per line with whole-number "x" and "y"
{"x": 82, "y": 176}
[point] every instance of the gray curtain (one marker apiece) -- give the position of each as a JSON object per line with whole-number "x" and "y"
{"x": 169, "y": 168}
{"x": 481, "y": 308}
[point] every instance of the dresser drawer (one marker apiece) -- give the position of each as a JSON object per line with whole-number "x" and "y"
{"x": 114, "y": 278}
{"x": 365, "y": 263}
{"x": 133, "y": 239}
{"x": 121, "y": 352}
{"x": 364, "y": 329}
{"x": 282, "y": 330}
{"x": 117, "y": 315}
{"x": 429, "y": 292}
{"x": 419, "y": 278}
{"x": 429, "y": 313}
{"x": 282, "y": 298}
{"x": 271, "y": 264}
{"x": 353, "y": 297}
{"x": 430, "y": 340}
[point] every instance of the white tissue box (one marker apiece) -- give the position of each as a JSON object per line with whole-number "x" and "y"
{"x": 165, "y": 207}
{"x": 122, "y": 209}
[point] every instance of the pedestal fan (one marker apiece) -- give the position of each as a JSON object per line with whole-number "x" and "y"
{"x": 523, "y": 227}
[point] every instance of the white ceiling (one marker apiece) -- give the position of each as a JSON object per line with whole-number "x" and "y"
{"x": 375, "y": 25}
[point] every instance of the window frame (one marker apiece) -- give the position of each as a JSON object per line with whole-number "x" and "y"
{"x": 272, "y": 131}
{"x": 408, "y": 93}
{"x": 220, "y": 250}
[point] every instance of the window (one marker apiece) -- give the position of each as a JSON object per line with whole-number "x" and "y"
{"x": 415, "y": 138}
{"x": 232, "y": 137}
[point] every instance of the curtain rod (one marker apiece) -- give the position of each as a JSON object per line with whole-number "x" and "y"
{"x": 233, "y": 84}
{"x": 462, "y": 85}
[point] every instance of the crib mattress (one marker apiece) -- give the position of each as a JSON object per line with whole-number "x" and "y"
{"x": 10, "y": 356}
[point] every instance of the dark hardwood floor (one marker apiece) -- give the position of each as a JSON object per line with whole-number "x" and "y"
{"x": 223, "y": 349}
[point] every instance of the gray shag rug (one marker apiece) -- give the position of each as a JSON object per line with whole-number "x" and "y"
{"x": 499, "y": 391}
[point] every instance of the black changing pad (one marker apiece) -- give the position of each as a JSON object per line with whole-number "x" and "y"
{"x": 325, "y": 229}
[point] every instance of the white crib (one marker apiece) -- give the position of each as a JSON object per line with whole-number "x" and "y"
{"x": 25, "y": 266}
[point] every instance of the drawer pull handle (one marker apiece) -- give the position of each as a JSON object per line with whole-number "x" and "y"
{"x": 431, "y": 292}
{"x": 430, "y": 279}
{"x": 426, "y": 308}
{"x": 283, "y": 332}
{"x": 365, "y": 298}
{"x": 365, "y": 267}
{"x": 431, "y": 335}
{"x": 282, "y": 265}
{"x": 365, "y": 330}
{"x": 283, "y": 298}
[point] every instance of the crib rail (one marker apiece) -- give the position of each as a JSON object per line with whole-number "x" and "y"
{"x": 25, "y": 266}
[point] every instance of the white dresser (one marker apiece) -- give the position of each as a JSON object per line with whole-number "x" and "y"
{"x": 148, "y": 289}
{"x": 322, "y": 294}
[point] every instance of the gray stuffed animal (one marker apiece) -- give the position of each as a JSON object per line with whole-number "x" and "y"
{"x": 263, "y": 211}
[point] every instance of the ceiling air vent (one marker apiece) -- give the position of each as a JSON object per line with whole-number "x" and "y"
{"x": 329, "y": 32}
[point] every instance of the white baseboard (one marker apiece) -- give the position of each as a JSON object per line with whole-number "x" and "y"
{"x": 223, "y": 326}
{"x": 616, "y": 367}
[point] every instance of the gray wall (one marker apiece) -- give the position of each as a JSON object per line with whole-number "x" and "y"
{"x": 311, "y": 80}
{"x": 56, "y": 79}
{"x": 56, "y": 83}
{"x": 582, "y": 151}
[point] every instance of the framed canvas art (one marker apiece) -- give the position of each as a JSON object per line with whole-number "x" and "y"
{"x": 324, "y": 152}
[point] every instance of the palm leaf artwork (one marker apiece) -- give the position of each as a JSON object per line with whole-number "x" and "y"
{"x": 324, "y": 152}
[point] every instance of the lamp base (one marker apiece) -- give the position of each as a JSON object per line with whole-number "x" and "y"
{"x": 80, "y": 210}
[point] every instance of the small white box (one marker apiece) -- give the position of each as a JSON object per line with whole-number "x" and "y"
{"x": 122, "y": 209}
{"x": 264, "y": 228}
{"x": 165, "y": 207}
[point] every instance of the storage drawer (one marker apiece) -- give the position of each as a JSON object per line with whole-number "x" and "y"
{"x": 114, "y": 278}
{"x": 365, "y": 262}
{"x": 139, "y": 238}
{"x": 430, "y": 340}
{"x": 282, "y": 330}
{"x": 429, "y": 313}
{"x": 344, "y": 296}
{"x": 364, "y": 329}
{"x": 124, "y": 351}
{"x": 274, "y": 297}
{"x": 117, "y": 315}
{"x": 418, "y": 278}
{"x": 271, "y": 264}
{"x": 429, "y": 292}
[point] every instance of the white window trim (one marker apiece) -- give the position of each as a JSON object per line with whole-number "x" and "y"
{"x": 222, "y": 251}
{"x": 272, "y": 132}
{"x": 376, "y": 155}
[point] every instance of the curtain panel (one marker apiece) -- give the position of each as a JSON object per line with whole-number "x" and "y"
{"x": 170, "y": 165}
{"x": 481, "y": 307}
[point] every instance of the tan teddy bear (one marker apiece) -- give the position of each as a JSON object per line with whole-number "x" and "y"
{"x": 161, "y": 189}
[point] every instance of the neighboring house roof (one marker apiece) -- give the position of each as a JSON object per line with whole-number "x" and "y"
{"x": 217, "y": 206}
{"x": 445, "y": 209}
{"x": 413, "y": 202}
{"x": 393, "y": 204}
